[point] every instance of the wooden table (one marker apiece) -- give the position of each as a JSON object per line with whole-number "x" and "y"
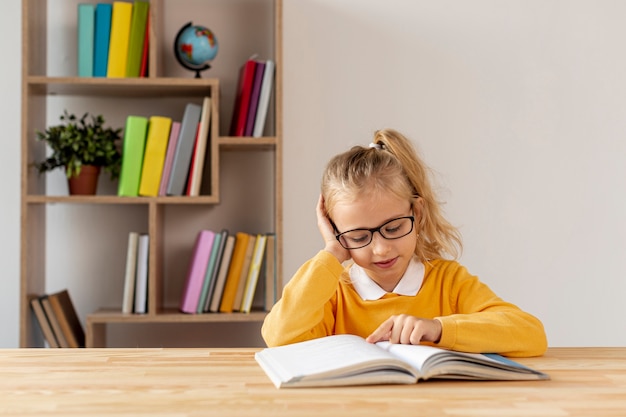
{"x": 228, "y": 382}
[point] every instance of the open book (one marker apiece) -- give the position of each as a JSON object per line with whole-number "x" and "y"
{"x": 350, "y": 360}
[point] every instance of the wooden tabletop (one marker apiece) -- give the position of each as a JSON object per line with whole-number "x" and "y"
{"x": 228, "y": 382}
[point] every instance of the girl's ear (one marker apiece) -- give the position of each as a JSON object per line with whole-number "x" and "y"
{"x": 418, "y": 207}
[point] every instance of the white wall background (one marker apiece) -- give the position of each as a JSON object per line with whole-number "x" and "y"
{"x": 519, "y": 107}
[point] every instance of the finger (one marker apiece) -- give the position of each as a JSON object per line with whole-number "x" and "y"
{"x": 409, "y": 330}
{"x": 396, "y": 330}
{"x": 381, "y": 333}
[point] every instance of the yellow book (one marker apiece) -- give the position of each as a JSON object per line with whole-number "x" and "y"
{"x": 118, "y": 42}
{"x": 234, "y": 272}
{"x": 253, "y": 273}
{"x": 154, "y": 155}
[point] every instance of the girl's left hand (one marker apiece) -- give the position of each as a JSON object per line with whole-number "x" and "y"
{"x": 408, "y": 330}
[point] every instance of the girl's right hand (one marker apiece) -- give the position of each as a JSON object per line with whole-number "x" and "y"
{"x": 331, "y": 244}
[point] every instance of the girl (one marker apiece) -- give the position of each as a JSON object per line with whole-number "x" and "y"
{"x": 378, "y": 210}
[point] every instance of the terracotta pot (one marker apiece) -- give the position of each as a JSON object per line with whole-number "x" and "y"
{"x": 86, "y": 182}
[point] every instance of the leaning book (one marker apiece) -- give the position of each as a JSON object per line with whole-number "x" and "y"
{"x": 350, "y": 360}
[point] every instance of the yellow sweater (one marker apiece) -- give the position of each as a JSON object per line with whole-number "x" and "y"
{"x": 319, "y": 301}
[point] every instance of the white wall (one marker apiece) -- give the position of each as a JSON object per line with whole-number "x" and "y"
{"x": 519, "y": 107}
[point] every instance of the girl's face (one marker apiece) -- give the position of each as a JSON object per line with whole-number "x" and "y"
{"x": 384, "y": 260}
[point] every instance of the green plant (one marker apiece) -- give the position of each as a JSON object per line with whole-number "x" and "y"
{"x": 77, "y": 142}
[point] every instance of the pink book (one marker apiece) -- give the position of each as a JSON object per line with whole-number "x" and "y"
{"x": 197, "y": 271}
{"x": 169, "y": 158}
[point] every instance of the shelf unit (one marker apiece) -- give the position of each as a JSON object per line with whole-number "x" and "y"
{"x": 39, "y": 87}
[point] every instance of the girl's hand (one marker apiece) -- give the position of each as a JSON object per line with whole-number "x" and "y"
{"x": 408, "y": 330}
{"x": 328, "y": 233}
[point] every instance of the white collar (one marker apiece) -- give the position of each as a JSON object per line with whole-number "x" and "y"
{"x": 368, "y": 289}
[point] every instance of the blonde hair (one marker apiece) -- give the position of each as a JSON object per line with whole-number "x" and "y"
{"x": 391, "y": 164}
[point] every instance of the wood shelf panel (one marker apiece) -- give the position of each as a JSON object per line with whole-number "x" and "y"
{"x": 110, "y": 316}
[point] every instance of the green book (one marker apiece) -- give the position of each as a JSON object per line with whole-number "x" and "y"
{"x": 132, "y": 155}
{"x": 136, "y": 38}
{"x": 206, "y": 284}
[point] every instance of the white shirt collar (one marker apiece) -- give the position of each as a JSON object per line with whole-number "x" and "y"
{"x": 368, "y": 289}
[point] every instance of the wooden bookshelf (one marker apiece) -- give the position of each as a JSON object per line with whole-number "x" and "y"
{"x": 167, "y": 85}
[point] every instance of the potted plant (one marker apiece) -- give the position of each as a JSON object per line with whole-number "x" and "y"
{"x": 82, "y": 147}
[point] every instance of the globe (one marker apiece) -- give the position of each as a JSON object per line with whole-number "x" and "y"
{"x": 194, "y": 47}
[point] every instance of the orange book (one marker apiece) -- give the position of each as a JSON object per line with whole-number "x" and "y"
{"x": 234, "y": 272}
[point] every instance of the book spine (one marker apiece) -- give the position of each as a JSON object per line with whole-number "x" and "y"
{"x": 101, "y": 39}
{"x": 136, "y": 38}
{"x": 141, "y": 281}
{"x": 118, "y": 42}
{"x": 200, "y": 149}
{"x": 154, "y": 155}
{"x": 197, "y": 271}
{"x": 264, "y": 99}
{"x": 184, "y": 150}
{"x": 169, "y": 157}
{"x": 234, "y": 272}
{"x": 253, "y": 273}
{"x": 254, "y": 98}
{"x": 132, "y": 155}
{"x": 130, "y": 273}
{"x": 85, "y": 36}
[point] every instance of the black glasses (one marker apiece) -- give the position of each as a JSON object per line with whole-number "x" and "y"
{"x": 359, "y": 238}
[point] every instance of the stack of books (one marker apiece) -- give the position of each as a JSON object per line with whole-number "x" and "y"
{"x": 58, "y": 320}
{"x": 163, "y": 157}
{"x": 252, "y": 98}
{"x": 113, "y": 39}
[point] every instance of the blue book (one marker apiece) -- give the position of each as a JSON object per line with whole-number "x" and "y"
{"x": 101, "y": 39}
{"x": 86, "y": 22}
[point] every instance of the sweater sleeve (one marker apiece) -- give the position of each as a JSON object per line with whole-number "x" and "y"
{"x": 305, "y": 310}
{"x": 483, "y": 322}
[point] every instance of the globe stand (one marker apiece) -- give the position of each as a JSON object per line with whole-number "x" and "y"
{"x": 197, "y": 69}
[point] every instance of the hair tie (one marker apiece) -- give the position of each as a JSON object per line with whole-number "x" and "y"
{"x": 375, "y": 145}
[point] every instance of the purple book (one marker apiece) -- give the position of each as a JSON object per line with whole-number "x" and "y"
{"x": 197, "y": 271}
{"x": 254, "y": 97}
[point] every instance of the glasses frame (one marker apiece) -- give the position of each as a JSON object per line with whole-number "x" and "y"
{"x": 373, "y": 230}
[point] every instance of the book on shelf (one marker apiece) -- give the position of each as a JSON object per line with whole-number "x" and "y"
{"x": 169, "y": 157}
{"x": 234, "y": 272}
{"x": 130, "y": 273}
{"x": 44, "y": 323}
{"x": 102, "y": 34}
{"x": 208, "y": 274}
{"x": 141, "y": 280}
{"x": 200, "y": 149}
{"x": 184, "y": 150}
{"x": 245, "y": 269}
{"x": 133, "y": 147}
{"x": 197, "y": 271}
{"x": 220, "y": 280}
{"x": 54, "y": 321}
{"x": 145, "y": 52}
{"x": 136, "y": 37}
{"x": 254, "y": 97}
{"x": 154, "y": 155}
{"x": 242, "y": 97}
{"x": 118, "y": 41}
{"x": 349, "y": 360}
{"x": 271, "y": 286}
{"x": 264, "y": 98}
{"x": 254, "y": 271}
{"x": 66, "y": 316}
{"x": 215, "y": 268}
{"x": 85, "y": 38}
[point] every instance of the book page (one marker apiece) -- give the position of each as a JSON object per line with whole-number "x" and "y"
{"x": 327, "y": 357}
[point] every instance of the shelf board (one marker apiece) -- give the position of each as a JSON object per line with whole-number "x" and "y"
{"x": 113, "y": 199}
{"x": 237, "y": 143}
{"x": 120, "y": 87}
{"x": 106, "y": 316}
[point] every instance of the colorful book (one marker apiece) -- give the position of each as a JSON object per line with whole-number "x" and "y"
{"x": 101, "y": 39}
{"x": 141, "y": 280}
{"x": 253, "y": 273}
{"x": 254, "y": 98}
{"x": 264, "y": 99}
{"x": 68, "y": 319}
{"x": 200, "y": 149}
{"x": 136, "y": 38}
{"x": 245, "y": 268}
{"x": 234, "y": 272}
{"x": 133, "y": 147}
{"x": 242, "y": 98}
{"x": 86, "y": 33}
{"x": 130, "y": 273}
{"x": 220, "y": 280}
{"x": 118, "y": 42}
{"x": 271, "y": 286}
{"x": 215, "y": 271}
{"x": 208, "y": 275}
{"x": 169, "y": 157}
{"x": 145, "y": 53}
{"x": 197, "y": 271}
{"x": 44, "y": 323}
{"x": 154, "y": 155}
{"x": 184, "y": 150}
